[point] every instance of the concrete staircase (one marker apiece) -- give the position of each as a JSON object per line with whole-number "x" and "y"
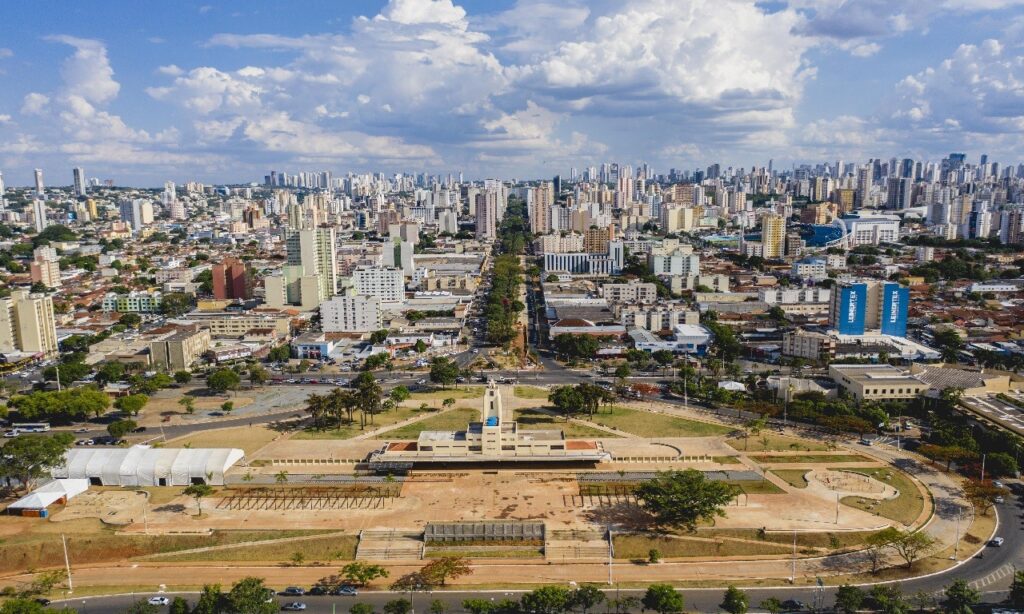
{"x": 576, "y": 545}
{"x": 389, "y": 545}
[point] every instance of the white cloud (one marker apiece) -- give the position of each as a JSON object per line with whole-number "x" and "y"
{"x": 5, "y": 118}
{"x": 87, "y": 73}
{"x": 5, "y": 53}
{"x": 34, "y": 103}
{"x": 171, "y": 70}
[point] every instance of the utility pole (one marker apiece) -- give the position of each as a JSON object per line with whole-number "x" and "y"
{"x": 982, "y": 467}
{"x": 956, "y": 544}
{"x": 792, "y": 575}
{"x": 67, "y": 563}
{"x": 56, "y": 368}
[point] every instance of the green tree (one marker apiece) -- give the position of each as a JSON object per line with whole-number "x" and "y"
{"x": 576, "y": 346}
{"x": 888, "y": 599}
{"x": 397, "y": 606}
{"x": 849, "y": 599}
{"x": 280, "y": 354}
{"x": 358, "y": 573}
{"x": 380, "y": 360}
{"x": 949, "y": 344}
{"x": 438, "y": 571}
{"x": 188, "y": 404}
{"x": 772, "y": 605}
{"x": 131, "y": 320}
{"x": 361, "y": 608}
{"x": 567, "y": 400}
{"x": 378, "y": 336}
{"x": 249, "y": 596}
{"x": 735, "y": 601}
{"x": 683, "y": 498}
{"x": 179, "y": 605}
{"x": 1016, "y": 598}
{"x": 175, "y": 304}
{"x": 622, "y": 372}
{"x": 546, "y": 600}
{"x": 30, "y": 457}
{"x": 438, "y": 607}
{"x": 223, "y": 380}
{"x": 399, "y": 394}
{"x": 258, "y": 376}
{"x": 368, "y": 395}
{"x": 131, "y": 404}
{"x": 443, "y": 371}
{"x": 109, "y": 372}
{"x": 197, "y": 492}
{"x": 663, "y": 598}
{"x": 227, "y": 407}
{"x": 120, "y": 428}
{"x": 959, "y": 597}
{"x": 585, "y": 598}
{"x": 420, "y": 347}
{"x": 183, "y": 377}
{"x": 910, "y": 545}
{"x": 1001, "y": 464}
{"x": 142, "y": 607}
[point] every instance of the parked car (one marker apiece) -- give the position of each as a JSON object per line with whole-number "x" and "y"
{"x": 346, "y": 591}
{"x": 318, "y": 590}
{"x": 13, "y": 433}
{"x": 294, "y": 606}
{"x": 792, "y": 605}
{"x": 295, "y": 591}
{"x": 159, "y": 601}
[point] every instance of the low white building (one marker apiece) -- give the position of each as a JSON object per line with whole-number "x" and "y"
{"x": 356, "y": 313}
{"x": 145, "y": 466}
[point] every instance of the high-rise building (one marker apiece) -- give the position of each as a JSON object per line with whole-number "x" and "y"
{"x": 869, "y": 305}
{"x": 595, "y": 240}
{"x": 355, "y": 313}
{"x": 80, "y": 183}
{"x": 27, "y": 324}
{"x": 136, "y": 213}
{"x": 487, "y": 215}
{"x": 312, "y": 269}
{"x": 3, "y": 198}
{"x": 45, "y": 267}
{"x": 40, "y": 189}
{"x": 899, "y": 195}
{"x": 773, "y": 235}
{"x": 388, "y": 283}
{"x": 540, "y": 214}
{"x": 231, "y": 280}
{"x": 39, "y": 214}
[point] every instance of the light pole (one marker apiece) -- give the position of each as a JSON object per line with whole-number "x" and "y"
{"x": 956, "y": 544}
{"x": 67, "y": 563}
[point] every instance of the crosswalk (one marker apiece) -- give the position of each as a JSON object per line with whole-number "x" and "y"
{"x": 996, "y": 577}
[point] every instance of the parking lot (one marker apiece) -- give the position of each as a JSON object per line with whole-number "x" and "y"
{"x": 1007, "y": 415}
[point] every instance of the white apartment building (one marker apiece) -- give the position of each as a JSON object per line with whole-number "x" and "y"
{"x": 632, "y": 291}
{"x": 386, "y": 283}
{"x": 45, "y": 267}
{"x": 133, "y": 302}
{"x": 675, "y": 263}
{"x": 813, "y": 268}
{"x": 783, "y": 296}
{"x": 355, "y": 313}
{"x": 559, "y": 244}
{"x": 27, "y": 324}
{"x": 656, "y": 317}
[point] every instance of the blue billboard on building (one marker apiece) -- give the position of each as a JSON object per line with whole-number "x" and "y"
{"x": 852, "y": 305}
{"x": 895, "y": 299}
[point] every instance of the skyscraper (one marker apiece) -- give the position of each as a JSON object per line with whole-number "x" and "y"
{"x": 137, "y": 213}
{"x": 231, "y": 280}
{"x": 39, "y": 182}
{"x": 79, "y": 176}
{"x": 312, "y": 269}
{"x": 869, "y": 305}
{"x": 39, "y": 214}
{"x": 3, "y": 199}
{"x": 27, "y": 324}
{"x": 487, "y": 215}
{"x": 773, "y": 235}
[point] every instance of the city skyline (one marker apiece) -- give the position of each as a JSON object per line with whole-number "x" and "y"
{"x": 223, "y": 92}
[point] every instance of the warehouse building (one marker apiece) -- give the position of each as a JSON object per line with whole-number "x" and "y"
{"x": 145, "y": 466}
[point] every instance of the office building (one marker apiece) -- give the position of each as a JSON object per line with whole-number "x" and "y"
{"x": 877, "y": 382}
{"x": 231, "y": 280}
{"x": 80, "y": 185}
{"x": 40, "y": 188}
{"x": 45, "y": 267}
{"x": 353, "y": 313}
{"x": 27, "y": 324}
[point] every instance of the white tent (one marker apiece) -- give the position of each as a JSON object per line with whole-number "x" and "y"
{"x": 49, "y": 493}
{"x": 146, "y": 466}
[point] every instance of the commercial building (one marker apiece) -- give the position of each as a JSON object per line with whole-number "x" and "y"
{"x": 355, "y": 313}
{"x": 877, "y": 382}
{"x": 179, "y": 349}
{"x": 27, "y": 324}
{"x": 231, "y": 280}
{"x": 808, "y": 345}
{"x": 870, "y": 305}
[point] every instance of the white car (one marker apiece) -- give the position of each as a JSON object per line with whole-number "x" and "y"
{"x": 13, "y": 433}
{"x": 159, "y": 601}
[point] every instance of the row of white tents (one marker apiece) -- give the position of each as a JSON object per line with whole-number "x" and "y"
{"x": 146, "y": 466}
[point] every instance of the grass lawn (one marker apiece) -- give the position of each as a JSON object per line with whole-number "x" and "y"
{"x": 462, "y": 392}
{"x": 535, "y": 419}
{"x": 795, "y": 477}
{"x": 649, "y": 424}
{"x": 248, "y": 438}
{"x": 531, "y": 392}
{"x": 776, "y": 443}
{"x": 336, "y": 548}
{"x": 37, "y": 543}
{"x": 832, "y": 541}
{"x": 638, "y": 547}
{"x": 905, "y": 508}
{"x": 351, "y": 430}
{"x": 454, "y": 420}
{"x": 811, "y": 458}
{"x": 726, "y": 460}
{"x": 757, "y": 487}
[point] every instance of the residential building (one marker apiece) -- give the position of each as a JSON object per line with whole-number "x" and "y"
{"x": 45, "y": 267}
{"x": 179, "y": 349}
{"x": 487, "y": 215}
{"x": 39, "y": 219}
{"x": 79, "y": 179}
{"x": 137, "y": 301}
{"x": 137, "y": 213}
{"x": 809, "y": 345}
{"x": 386, "y": 283}
{"x": 27, "y": 324}
{"x": 353, "y": 313}
{"x": 632, "y": 291}
{"x": 595, "y": 240}
{"x": 231, "y": 280}
{"x": 558, "y": 243}
{"x": 311, "y": 274}
{"x": 773, "y": 236}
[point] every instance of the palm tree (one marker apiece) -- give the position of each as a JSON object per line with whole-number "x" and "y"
{"x": 317, "y": 405}
{"x": 340, "y": 402}
{"x": 281, "y": 477}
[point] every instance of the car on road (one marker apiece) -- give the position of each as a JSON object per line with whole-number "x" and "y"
{"x": 792, "y": 605}
{"x": 139, "y": 429}
{"x": 83, "y": 429}
{"x": 294, "y": 606}
{"x": 996, "y": 542}
{"x": 346, "y": 591}
{"x": 998, "y": 484}
{"x": 158, "y": 601}
{"x": 294, "y": 591}
{"x": 85, "y": 442}
{"x": 12, "y": 433}
{"x": 42, "y": 601}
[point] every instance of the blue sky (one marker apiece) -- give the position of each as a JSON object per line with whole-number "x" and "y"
{"x": 141, "y": 92}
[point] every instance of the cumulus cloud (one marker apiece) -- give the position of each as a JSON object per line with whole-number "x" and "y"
{"x": 5, "y": 53}
{"x": 34, "y": 103}
{"x": 87, "y": 72}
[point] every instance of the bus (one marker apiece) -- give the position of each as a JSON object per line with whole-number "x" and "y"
{"x": 31, "y": 427}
